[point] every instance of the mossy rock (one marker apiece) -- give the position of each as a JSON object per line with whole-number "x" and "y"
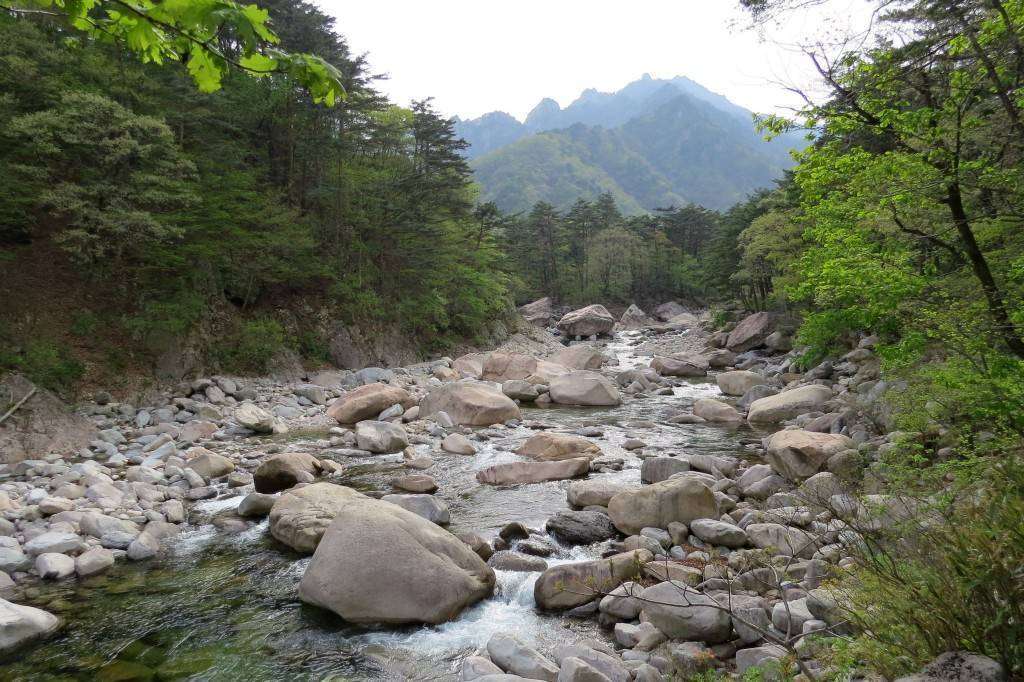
{"x": 125, "y": 671}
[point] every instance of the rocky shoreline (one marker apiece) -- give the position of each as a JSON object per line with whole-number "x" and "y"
{"x": 713, "y": 562}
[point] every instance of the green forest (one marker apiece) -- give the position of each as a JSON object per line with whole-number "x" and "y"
{"x": 153, "y": 206}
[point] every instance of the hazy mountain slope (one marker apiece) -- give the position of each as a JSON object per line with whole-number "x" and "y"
{"x": 657, "y": 142}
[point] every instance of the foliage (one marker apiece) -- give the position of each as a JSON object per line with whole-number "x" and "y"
{"x": 44, "y": 362}
{"x": 250, "y": 348}
{"x": 196, "y": 33}
{"x": 957, "y": 586}
{"x": 594, "y": 253}
{"x": 109, "y": 177}
{"x": 171, "y": 202}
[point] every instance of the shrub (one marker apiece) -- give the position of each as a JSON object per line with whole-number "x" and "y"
{"x": 46, "y": 364}
{"x": 956, "y": 583}
{"x": 251, "y": 346}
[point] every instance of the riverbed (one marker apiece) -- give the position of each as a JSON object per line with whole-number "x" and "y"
{"x": 221, "y": 603}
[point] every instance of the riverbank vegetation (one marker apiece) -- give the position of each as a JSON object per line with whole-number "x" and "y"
{"x": 151, "y": 206}
{"x": 903, "y": 219}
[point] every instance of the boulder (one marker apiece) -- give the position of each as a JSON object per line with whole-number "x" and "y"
{"x": 514, "y": 657}
{"x": 784, "y": 539}
{"x": 609, "y": 665}
{"x": 739, "y": 381}
{"x": 721, "y": 358}
{"x": 300, "y": 517}
{"x": 756, "y": 657}
{"x": 657, "y": 469}
{"x": 283, "y": 471}
{"x": 681, "y": 365}
{"x": 54, "y": 566}
{"x": 379, "y": 563}
{"x": 579, "y": 356}
{"x": 592, "y": 493}
{"x": 470, "y": 403}
{"x": 581, "y": 527}
{"x": 719, "y": 533}
{"x": 457, "y": 444}
{"x": 959, "y": 666}
{"x": 475, "y": 667}
{"x": 751, "y": 332}
{"x": 514, "y": 561}
{"x": 415, "y": 483}
{"x": 681, "y": 499}
{"x": 208, "y": 464}
{"x": 431, "y": 508}
{"x": 666, "y": 311}
{"x": 584, "y": 388}
{"x": 93, "y": 561}
{"x": 520, "y": 389}
{"x": 98, "y": 525}
{"x": 634, "y": 318}
{"x": 713, "y": 410}
{"x": 255, "y": 505}
{"x": 43, "y": 424}
{"x": 789, "y": 404}
{"x": 594, "y": 320}
{"x": 577, "y": 670}
{"x": 469, "y": 365}
{"x": 681, "y": 612}
{"x": 680, "y": 322}
{"x": 567, "y": 586}
{"x": 381, "y": 437}
{"x": 540, "y": 312}
{"x": 21, "y": 625}
{"x": 501, "y": 367}
{"x": 797, "y": 454}
{"x": 54, "y": 541}
{"x": 516, "y": 473}
{"x": 551, "y": 447}
{"x": 366, "y": 402}
{"x": 546, "y": 373}
{"x": 254, "y": 418}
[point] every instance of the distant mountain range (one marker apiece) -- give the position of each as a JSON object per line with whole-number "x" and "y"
{"x": 652, "y": 144}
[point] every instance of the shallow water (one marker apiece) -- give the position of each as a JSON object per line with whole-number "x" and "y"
{"x": 222, "y": 605}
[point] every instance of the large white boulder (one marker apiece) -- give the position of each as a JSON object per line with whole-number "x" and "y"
{"x": 470, "y": 403}
{"x": 579, "y": 356}
{"x": 381, "y": 437}
{"x": 366, "y": 402}
{"x": 797, "y": 454}
{"x": 788, "y": 404}
{"x": 516, "y": 473}
{"x": 584, "y": 388}
{"x": 594, "y": 320}
{"x": 549, "y": 447}
{"x": 300, "y": 517}
{"x": 379, "y": 563}
{"x": 681, "y": 499}
{"x": 751, "y": 332}
{"x": 20, "y": 625}
{"x": 739, "y": 381}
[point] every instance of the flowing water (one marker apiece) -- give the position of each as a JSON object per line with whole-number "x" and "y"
{"x": 221, "y": 604}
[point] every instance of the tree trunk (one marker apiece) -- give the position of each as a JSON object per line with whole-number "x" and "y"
{"x": 993, "y": 296}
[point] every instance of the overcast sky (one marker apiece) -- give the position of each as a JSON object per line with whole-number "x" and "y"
{"x": 475, "y": 56}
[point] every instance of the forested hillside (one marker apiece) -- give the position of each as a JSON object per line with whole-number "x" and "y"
{"x": 654, "y": 143}
{"x": 137, "y": 208}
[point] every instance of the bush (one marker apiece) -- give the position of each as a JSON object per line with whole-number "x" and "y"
{"x": 46, "y": 364}
{"x": 956, "y": 582}
{"x": 251, "y": 347}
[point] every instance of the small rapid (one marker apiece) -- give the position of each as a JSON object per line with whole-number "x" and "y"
{"x": 221, "y": 603}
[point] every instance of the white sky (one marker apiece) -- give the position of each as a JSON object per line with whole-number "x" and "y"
{"x": 475, "y": 56}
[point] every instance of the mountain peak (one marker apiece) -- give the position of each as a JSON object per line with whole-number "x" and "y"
{"x": 546, "y": 111}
